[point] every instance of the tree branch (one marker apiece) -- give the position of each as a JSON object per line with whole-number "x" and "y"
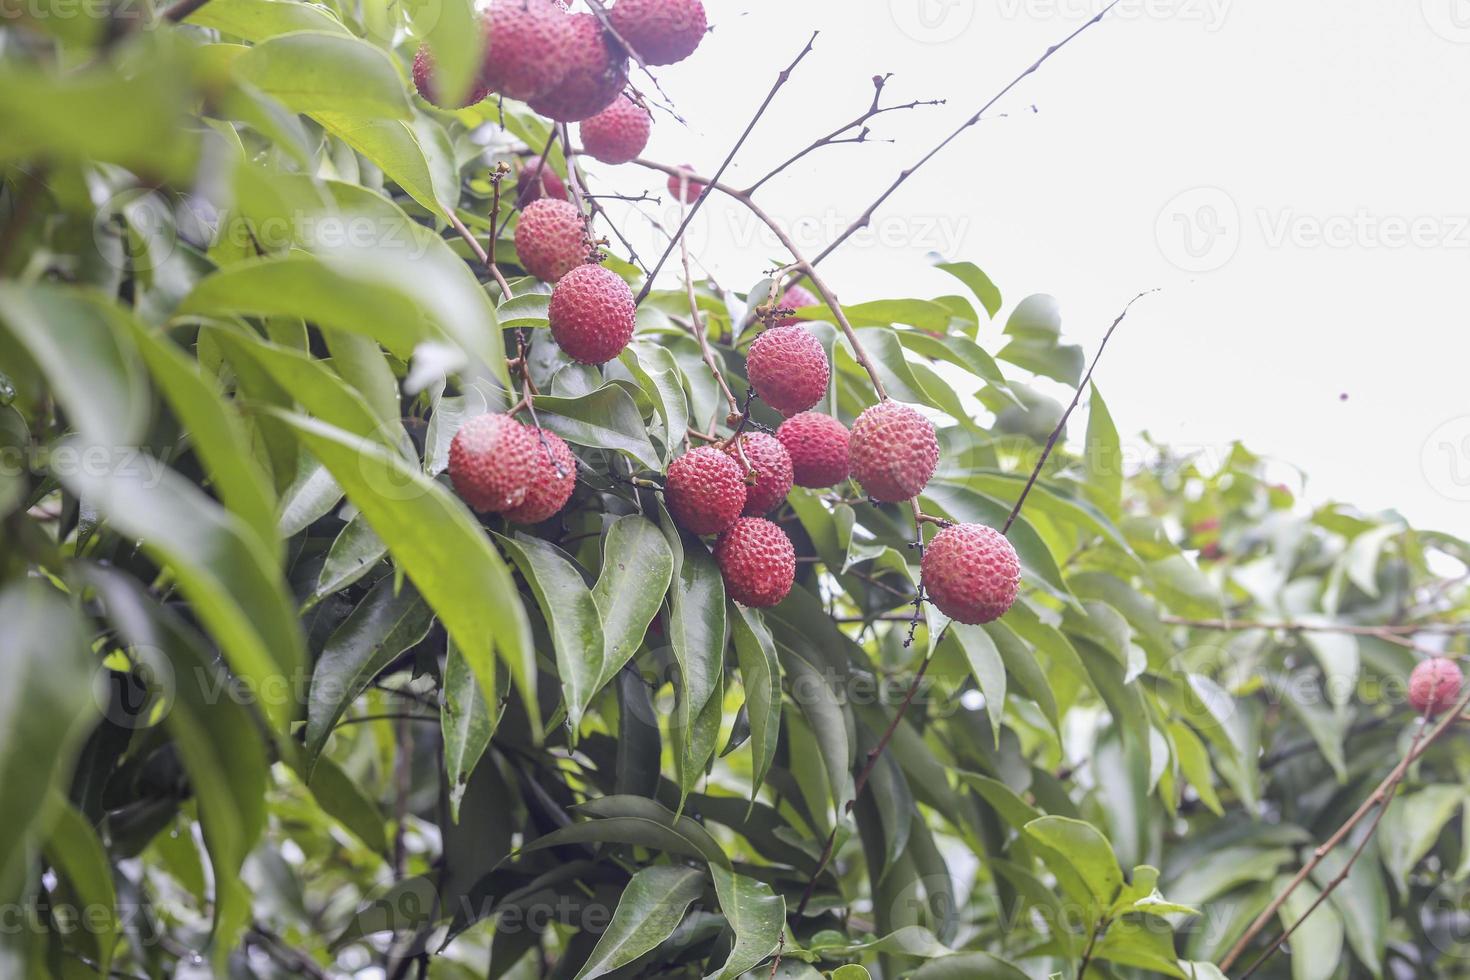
{"x": 904, "y": 175}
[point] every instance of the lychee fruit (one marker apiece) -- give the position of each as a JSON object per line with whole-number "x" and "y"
{"x": 794, "y": 298}
{"x": 526, "y": 38}
{"x": 423, "y": 80}
{"x": 682, "y": 187}
{"x": 592, "y": 314}
{"x": 596, "y": 71}
{"x": 492, "y": 462}
{"x": 661, "y": 31}
{"x": 1434, "y": 685}
{"x": 757, "y": 562}
{"x": 618, "y": 133}
{"x": 537, "y": 180}
{"x": 552, "y": 482}
{"x": 705, "y": 490}
{"x": 551, "y": 239}
{"x": 971, "y": 573}
{"x": 892, "y": 451}
{"x": 770, "y": 465}
{"x": 817, "y": 445}
{"x": 788, "y": 369}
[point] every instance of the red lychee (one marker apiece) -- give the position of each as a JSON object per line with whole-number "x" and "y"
{"x": 756, "y": 561}
{"x": 971, "y": 573}
{"x": 551, "y": 239}
{"x": 892, "y": 451}
{"x": 423, "y": 80}
{"x": 771, "y": 465}
{"x": 1434, "y": 685}
{"x": 705, "y": 490}
{"x": 595, "y": 73}
{"x": 817, "y": 445}
{"x": 661, "y": 31}
{"x": 492, "y": 462}
{"x": 523, "y": 58}
{"x": 788, "y": 369}
{"x": 682, "y": 187}
{"x": 794, "y": 298}
{"x": 537, "y": 180}
{"x": 618, "y": 133}
{"x": 552, "y": 482}
{"x": 592, "y": 314}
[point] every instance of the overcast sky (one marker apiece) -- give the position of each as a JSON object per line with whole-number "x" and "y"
{"x": 1292, "y": 174}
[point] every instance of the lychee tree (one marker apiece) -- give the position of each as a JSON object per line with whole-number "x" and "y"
{"x": 401, "y": 576}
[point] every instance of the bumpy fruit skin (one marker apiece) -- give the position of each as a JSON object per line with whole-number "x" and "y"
{"x": 532, "y": 185}
{"x": 817, "y": 445}
{"x": 523, "y": 58}
{"x": 596, "y": 71}
{"x": 618, "y": 133}
{"x": 684, "y": 189}
{"x": 971, "y": 573}
{"x": 705, "y": 490}
{"x": 492, "y": 462}
{"x": 892, "y": 451}
{"x": 551, "y": 239}
{"x": 592, "y": 314}
{"x": 788, "y": 369}
{"x": 423, "y": 80}
{"x": 756, "y": 561}
{"x": 552, "y": 482}
{"x": 1434, "y": 685}
{"x": 771, "y": 465}
{"x": 661, "y": 31}
{"x": 794, "y": 298}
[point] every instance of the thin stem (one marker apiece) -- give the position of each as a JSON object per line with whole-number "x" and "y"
{"x": 1091, "y": 946}
{"x": 1321, "y": 852}
{"x": 600, "y": 12}
{"x": 480, "y": 253}
{"x": 182, "y": 9}
{"x": 904, "y": 175}
{"x": 701, "y": 332}
{"x": 1384, "y": 631}
{"x": 781, "y": 80}
{"x": 1056, "y": 433}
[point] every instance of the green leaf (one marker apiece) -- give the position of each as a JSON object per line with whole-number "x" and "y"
{"x": 655, "y": 834}
{"x": 343, "y": 799}
{"x": 756, "y": 915}
{"x": 223, "y": 569}
{"x": 760, "y": 673}
{"x": 466, "y": 724}
{"x": 456, "y": 570}
{"x": 571, "y": 612}
{"x": 987, "y": 666}
{"x": 414, "y": 152}
{"x": 1085, "y": 849}
{"x": 1021, "y": 665}
{"x": 979, "y": 283}
{"x": 968, "y": 966}
{"x": 1184, "y": 588}
{"x": 321, "y": 71}
{"x": 1103, "y": 455}
{"x": 637, "y": 567}
{"x": 1361, "y": 899}
{"x": 642, "y": 808}
{"x": 1316, "y": 946}
{"x": 387, "y": 622}
{"x": 72, "y": 848}
{"x": 603, "y": 419}
{"x": 650, "y": 910}
{"x": 354, "y": 552}
{"x": 657, "y": 374}
{"x": 256, "y": 20}
{"x": 1411, "y": 825}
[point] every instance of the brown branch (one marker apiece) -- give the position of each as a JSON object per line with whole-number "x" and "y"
{"x": 479, "y": 250}
{"x": 182, "y": 9}
{"x": 781, "y": 80}
{"x": 579, "y": 185}
{"x": 1056, "y": 433}
{"x": 1342, "y": 832}
{"x": 862, "y": 780}
{"x": 904, "y": 175}
{"x": 1384, "y": 631}
{"x": 701, "y": 334}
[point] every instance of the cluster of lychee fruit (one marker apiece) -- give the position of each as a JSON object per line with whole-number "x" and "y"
{"x": 500, "y": 466}
{"x": 570, "y": 66}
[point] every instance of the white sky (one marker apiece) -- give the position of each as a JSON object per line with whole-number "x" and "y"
{"x": 1321, "y": 245}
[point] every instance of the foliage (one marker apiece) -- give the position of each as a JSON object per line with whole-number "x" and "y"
{"x": 275, "y": 698}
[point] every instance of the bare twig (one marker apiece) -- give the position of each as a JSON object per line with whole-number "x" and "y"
{"x": 480, "y": 253}
{"x": 781, "y": 80}
{"x": 1374, "y": 799}
{"x": 904, "y": 175}
{"x": 182, "y": 9}
{"x": 1056, "y": 433}
{"x": 1381, "y": 631}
